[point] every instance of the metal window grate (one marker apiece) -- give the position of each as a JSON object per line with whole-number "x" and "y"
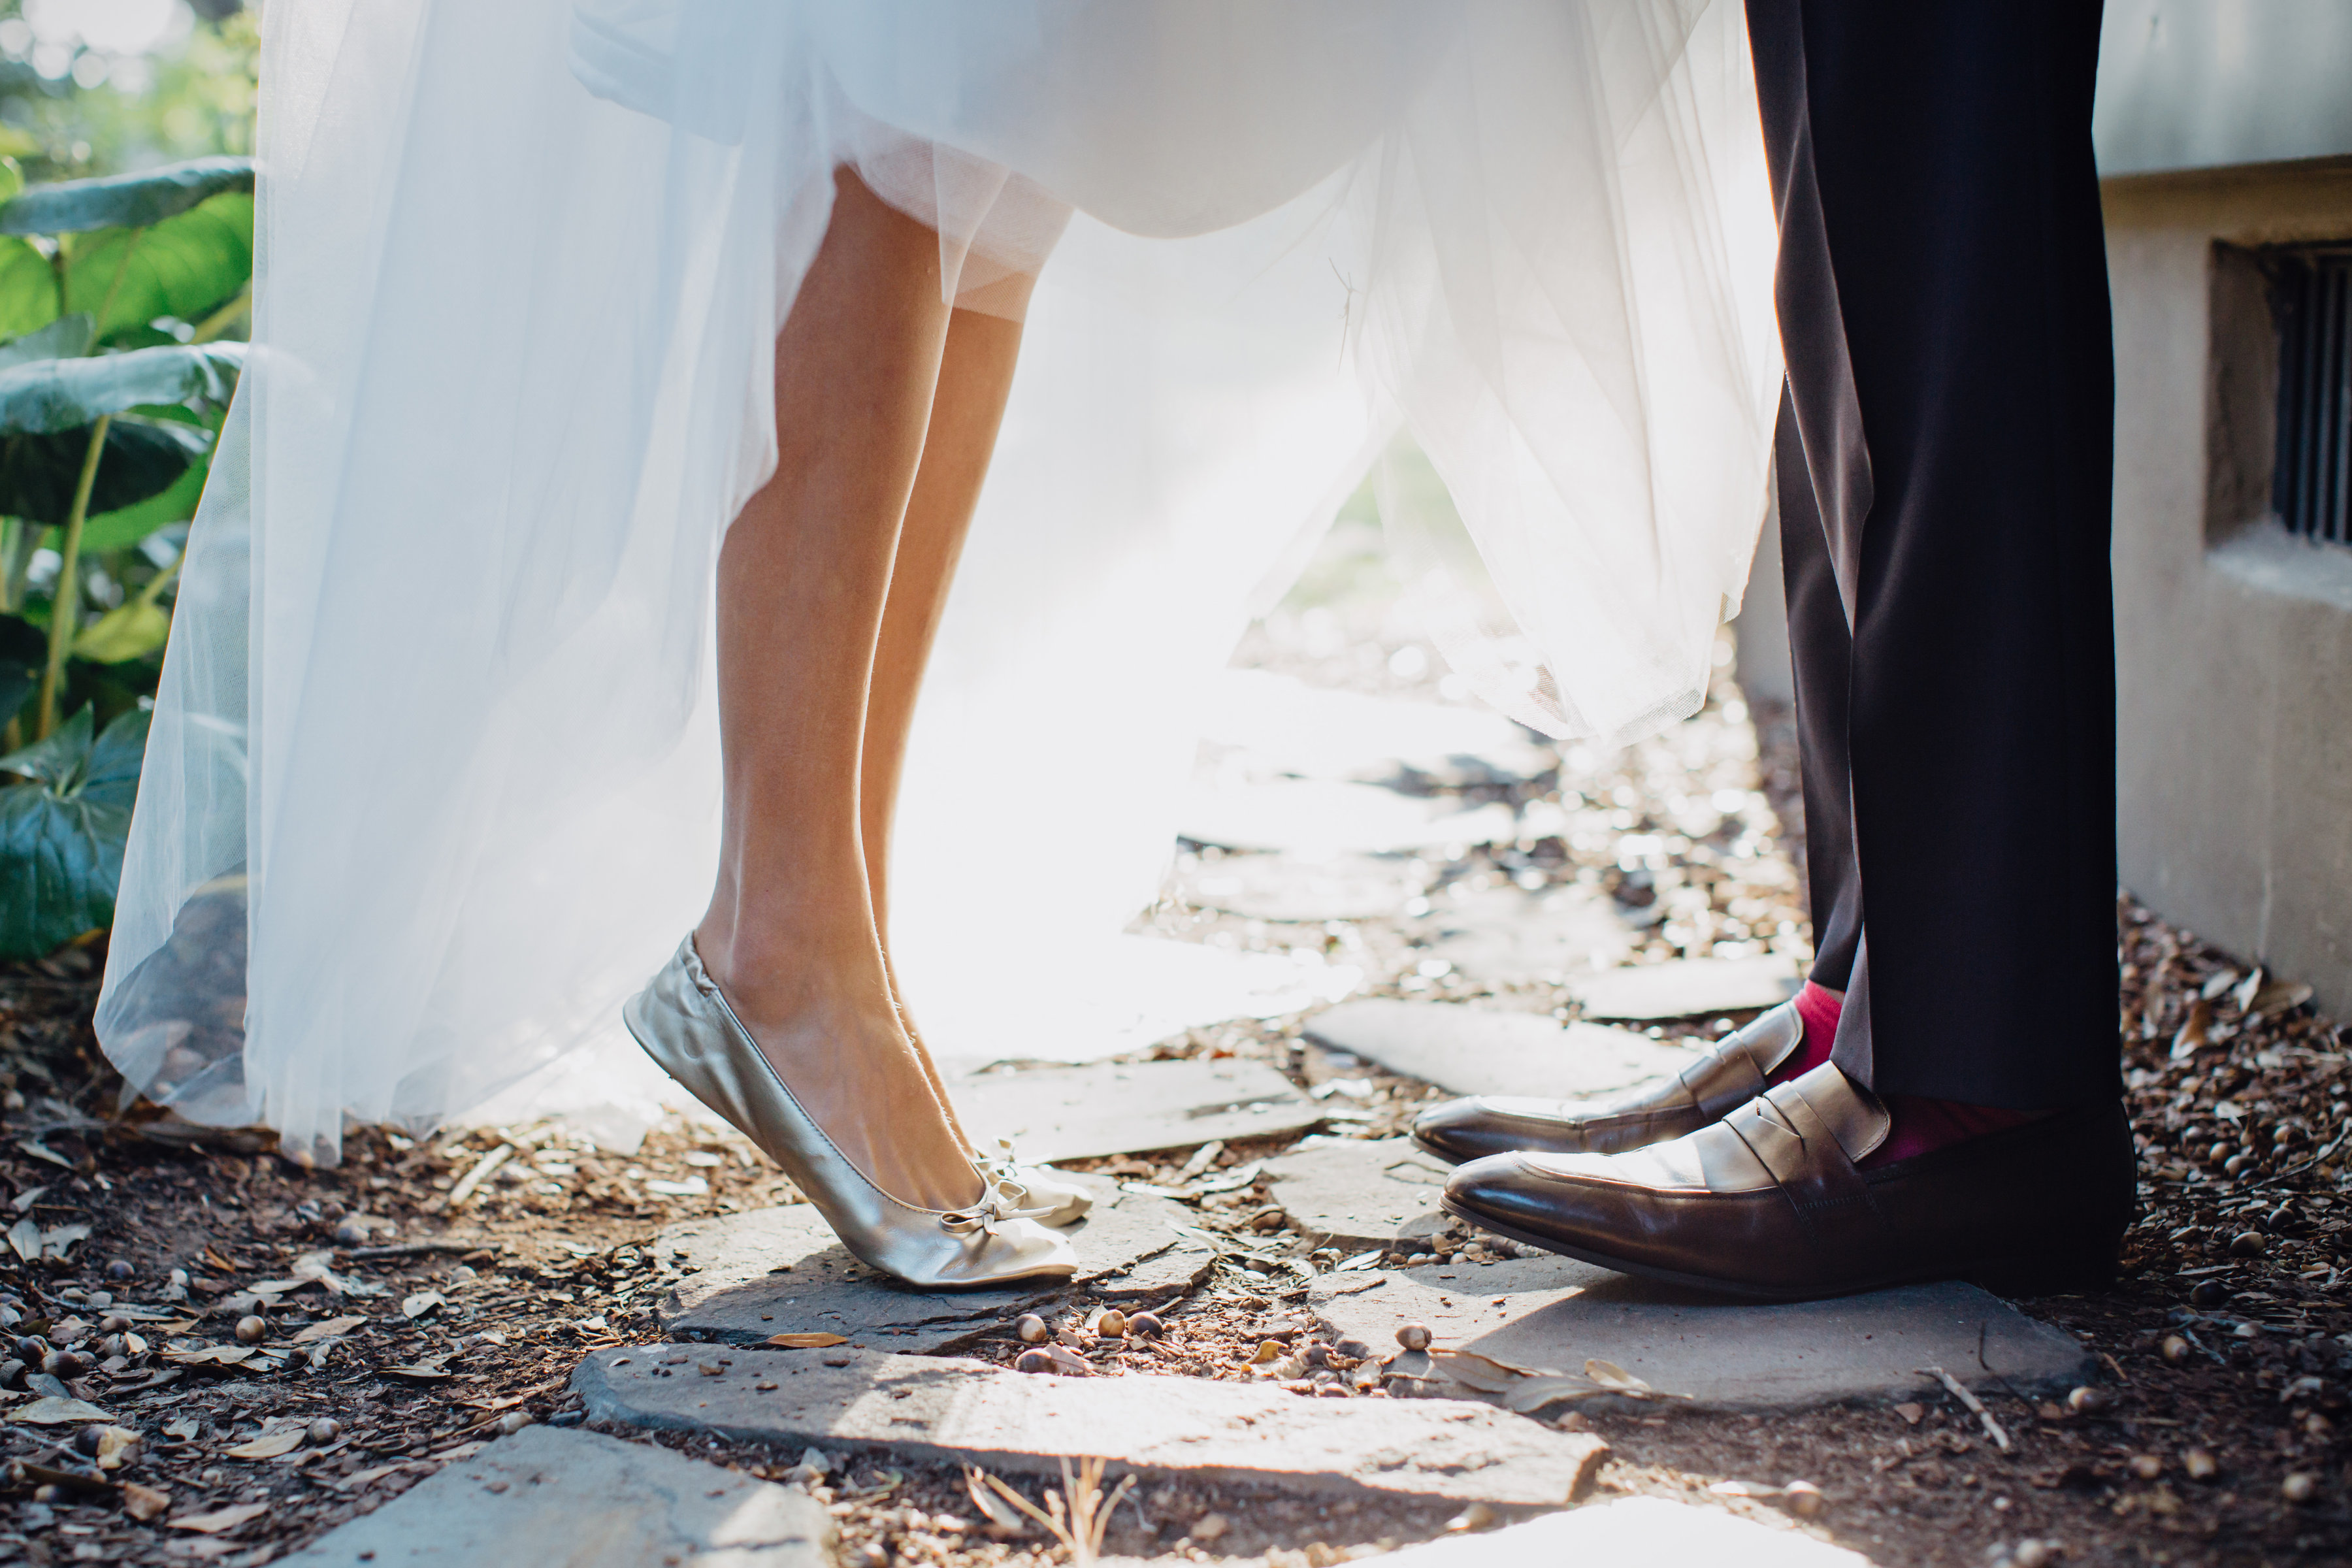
{"x": 2313, "y": 485}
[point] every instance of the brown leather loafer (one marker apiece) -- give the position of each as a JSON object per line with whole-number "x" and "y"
{"x": 1729, "y": 1075}
{"x": 1768, "y": 1203}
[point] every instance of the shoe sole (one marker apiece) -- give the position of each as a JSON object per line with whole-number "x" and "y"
{"x": 2008, "y": 1278}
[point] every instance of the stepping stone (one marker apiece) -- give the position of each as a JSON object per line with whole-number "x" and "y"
{"x": 1299, "y": 888}
{"x": 1358, "y": 1192}
{"x": 780, "y": 1270}
{"x": 1471, "y": 1050}
{"x": 1686, "y": 987}
{"x": 1128, "y": 1108}
{"x": 1507, "y": 937}
{"x": 1552, "y": 1313}
{"x": 585, "y": 1501}
{"x": 1321, "y": 816}
{"x": 1283, "y": 725}
{"x": 931, "y": 1409}
{"x": 1643, "y": 1530}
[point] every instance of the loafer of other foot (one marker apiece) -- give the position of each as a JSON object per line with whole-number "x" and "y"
{"x": 1728, "y": 1074}
{"x": 1770, "y": 1203}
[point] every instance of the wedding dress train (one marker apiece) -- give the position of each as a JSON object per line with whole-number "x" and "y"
{"x": 432, "y": 784}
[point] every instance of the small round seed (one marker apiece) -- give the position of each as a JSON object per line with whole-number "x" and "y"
{"x": 2031, "y": 1555}
{"x": 2199, "y": 1465}
{"x": 2146, "y": 1467}
{"x": 1805, "y": 1499}
{"x": 2086, "y": 1401}
{"x": 1112, "y": 1324}
{"x": 2247, "y": 1244}
{"x": 1033, "y": 1360}
{"x": 2209, "y": 1293}
{"x": 2300, "y": 1486}
{"x": 324, "y": 1430}
{"x": 251, "y": 1331}
{"x": 2176, "y": 1349}
{"x": 1147, "y": 1325}
{"x": 1414, "y": 1336}
{"x": 1031, "y": 1329}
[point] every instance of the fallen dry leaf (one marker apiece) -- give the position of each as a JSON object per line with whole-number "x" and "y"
{"x": 420, "y": 1372}
{"x": 219, "y": 1519}
{"x": 422, "y": 1303}
{"x": 330, "y": 1329}
{"x": 51, "y": 1411}
{"x": 145, "y": 1503}
{"x": 805, "y": 1342}
{"x": 267, "y": 1446}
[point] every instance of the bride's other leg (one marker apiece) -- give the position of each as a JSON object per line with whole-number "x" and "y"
{"x": 975, "y": 378}
{"x": 791, "y": 935}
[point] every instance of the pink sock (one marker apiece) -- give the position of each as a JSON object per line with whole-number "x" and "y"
{"x": 1921, "y": 1125}
{"x": 1819, "y": 1007}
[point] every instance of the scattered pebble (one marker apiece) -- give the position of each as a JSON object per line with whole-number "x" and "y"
{"x": 1031, "y": 1329}
{"x": 2247, "y": 1244}
{"x": 1033, "y": 1360}
{"x": 2086, "y": 1401}
{"x": 1477, "y": 1516}
{"x": 2199, "y": 1465}
{"x": 1805, "y": 1499}
{"x": 2176, "y": 1349}
{"x": 325, "y": 1430}
{"x": 2300, "y": 1486}
{"x": 1210, "y": 1526}
{"x": 1112, "y": 1324}
{"x": 2209, "y": 1293}
{"x": 251, "y": 1331}
{"x": 118, "y": 1269}
{"x": 2031, "y": 1554}
{"x": 513, "y": 1421}
{"x": 1414, "y": 1336}
{"x": 1146, "y": 1326}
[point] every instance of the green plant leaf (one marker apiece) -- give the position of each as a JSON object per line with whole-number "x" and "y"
{"x": 131, "y": 630}
{"x": 68, "y": 337}
{"x": 28, "y": 289}
{"x": 37, "y": 473}
{"x": 57, "y": 760}
{"x": 123, "y": 201}
{"x": 61, "y": 835}
{"x": 123, "y": 529}
{"x": 112, "y": 777}
{"x": 64, "y": 394}
{"x": 184, "y": 267}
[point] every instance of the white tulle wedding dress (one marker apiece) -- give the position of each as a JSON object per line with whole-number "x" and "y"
{"x": 432, "y": 784}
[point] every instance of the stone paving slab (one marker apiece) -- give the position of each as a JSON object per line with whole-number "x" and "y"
{"x": 944, "y": 1409}
{"x": 1507, "y": 937}
{"x": 1128, "y": 1108}
{"x": 1686, "y": 987}
{"x": 1650, "y": 1532}
{"x": 1284, "y": 725}
{"x": 1470, "y": 1050}
{"x": 1358, "y": 1192}
{"x": 780, "y": 1270}
{"x": 1294, "y": 888}
{"x": 1553, "y": 1314}
{"x": 583, "y": 1500}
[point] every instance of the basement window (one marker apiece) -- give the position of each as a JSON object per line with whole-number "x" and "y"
{"x": 2311, "y": 294}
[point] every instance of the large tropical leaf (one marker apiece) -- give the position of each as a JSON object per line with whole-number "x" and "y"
{"x": 65, "y": 394}
{"x": 28, "y": 287}
{"x": 37, "y": 473}
{"x": 122, "y": 529}
{"x": 123, "y": 201}
{"x": 68, "y": 337}
{"x": 183, "y": 267}
{"x": 61, "y": 834}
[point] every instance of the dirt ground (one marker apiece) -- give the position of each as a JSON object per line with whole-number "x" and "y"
{"x": 293, "y": 1347}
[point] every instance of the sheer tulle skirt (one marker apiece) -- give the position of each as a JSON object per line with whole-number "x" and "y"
{"x": 433, "y": 779}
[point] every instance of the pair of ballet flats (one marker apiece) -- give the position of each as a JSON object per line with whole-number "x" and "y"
{"x": 685, "y": 1024}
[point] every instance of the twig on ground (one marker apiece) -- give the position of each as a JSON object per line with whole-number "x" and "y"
{"x": 1959, "y": 1391}
{"x": 1079, "y": 1527}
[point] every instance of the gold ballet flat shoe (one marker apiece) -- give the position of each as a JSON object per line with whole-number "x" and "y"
{"x": 1037, "y": 1191}
{"x": 685, "y": 1026}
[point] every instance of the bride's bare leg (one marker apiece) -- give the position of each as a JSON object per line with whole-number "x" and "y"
{"x": 975, "y": 377}
{"x": 790, "y": 934}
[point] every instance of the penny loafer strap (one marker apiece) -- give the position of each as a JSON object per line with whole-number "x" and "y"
{"x": 1792, "y": 1138}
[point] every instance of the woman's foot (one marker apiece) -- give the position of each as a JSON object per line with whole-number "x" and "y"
{"x": 827, "y": 1024}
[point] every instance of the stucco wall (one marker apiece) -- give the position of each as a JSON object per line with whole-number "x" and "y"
{"x": 2233, "y": 638}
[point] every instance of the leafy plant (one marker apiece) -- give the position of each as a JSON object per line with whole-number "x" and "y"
{"x": 114, "y": 296}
